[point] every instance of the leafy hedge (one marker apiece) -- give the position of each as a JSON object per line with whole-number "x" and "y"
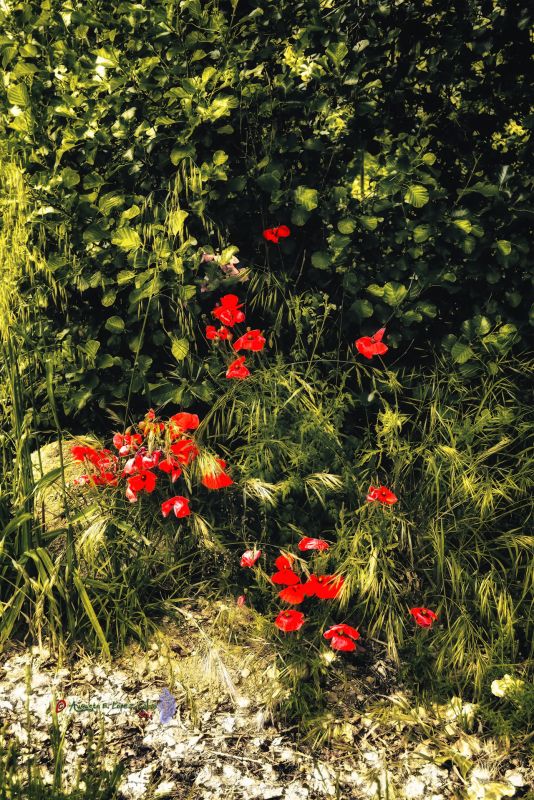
{"x": 392, "y": 138}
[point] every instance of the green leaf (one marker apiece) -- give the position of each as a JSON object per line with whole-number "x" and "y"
{"x": 131, "y": 212}
{"x": 321, "y": 259}
{"x": 369, "y": 223}
{"x": 109, "y": 298}
{"x": 306, "y": 198}
{"x": 337, "y": 52}
{"x": 109, "y": 201}
{"x": 180, "y": 152}
{"x": 463, "y": 224}
{"x": 219, "y": 157}
{"x": 180, "y": 348}
{"x": 69, "y": 177}
{"x": 504, "y": 247}
{"x": 228, "y": 252}
{"x": 90, "y": 348}
{"x": 125, "y": 276}
{"x": 362, "y": 308}
{"x": 394, "y": 293}
{"x": 115, "y": 324}
{"x": 346, "y": 225}
{"x": 416, "y": 195}
{"x": 18, "y": 95}
{"x": 429, "y": 159}
{"x": 268, "y": 182}
{"x": 421, "y": 233}
{"x": 461, "y": 352}
{"x": 299, "y": 217}
{"x": 375, "y": 290}
{"x": 175, "y": 221}
{"x": 126, "y": 238}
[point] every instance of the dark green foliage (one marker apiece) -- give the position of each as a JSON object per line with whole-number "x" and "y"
{"x": 391, "y": 138}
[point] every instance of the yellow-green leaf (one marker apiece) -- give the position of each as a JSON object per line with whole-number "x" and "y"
{"x": 416, "y": 195}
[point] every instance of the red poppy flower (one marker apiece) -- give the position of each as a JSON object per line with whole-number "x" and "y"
{"x": 104, "y": 479}
{"x": 275, "y": 234}
{"x": 341, "y": 630}
{"x": 284, "y": 561}
{"x": 184, "y": 421}
{"x": 307, "y": 543}
{"x": 81, "y": 452}
{"x": 150, "y": 460}
{"x": 290, "y": 620}
{"x": 249, "y": 558}
{"x": 237, "y": 369}
{"x": 178, "y": 505}
{"x": 342, "y": 643}
{"x": 285, "y": 577}
{"x": 241, "y": 600}
{"x": 228, "y": 311}
{"x": 382, "y": 494}
{"x": 217, "y": 480}
{"x": 171, "y": 467}
{"x": 127, "y": 443}
{"x": 144, "y": 481}
{"x": 185, "y": 451}
{"x": 325, "y": 587}
{"x": 293, "y": 594}
{"x": 424, "y": 617}
{"x": 222, "y": 333}
{"x": 252, "y": 340}
{"x": 370, "y": 346}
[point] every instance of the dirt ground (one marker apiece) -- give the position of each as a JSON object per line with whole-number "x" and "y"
{"x": 221, "y": 740}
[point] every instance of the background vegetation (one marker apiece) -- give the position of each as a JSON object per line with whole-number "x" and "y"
{"x": 392, "y": 138}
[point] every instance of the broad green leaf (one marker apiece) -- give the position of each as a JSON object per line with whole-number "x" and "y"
{"x": 375, "y": 290}
{"x": 17, "y": 95}
{"x": 394, "y": 293}
{"x": 109, "y": 201}
{"x": 504, "y": 247}
{"x": 109, "y": 298}
{"x": 268, "y": 182}
{"x": 179, "y": 152}
{"x": 416, "y": 195}
{"x": 426, "y": 308}
{"x": 306, "y": 198}
{"x": 429, "y": 159}
{"x": 69, "y": 177}
{"x": 131, "y": 212}
{"x": 219, "y": 157}
{"x": 228, "y": 252}
{"x": 461, "y": 352}
{"x": 175, "y": 221}
{"x": 369, "y": 223}
{"x": 421, "y": 233}
{"x": 321, "y": 259}
{"x": 337, "y": 52}
{"x": 90, "y": 348}
{"x": 125, "y": 276}
{"x": 180, "y": 348}
{"x": 346, "y": 225}
{"x": 115, "y": 324}
{"x": 463, "y": 224}
{"x": 362, "y": 308}
{"x": 299, "y": 217}
{"x": 126, "y": 238}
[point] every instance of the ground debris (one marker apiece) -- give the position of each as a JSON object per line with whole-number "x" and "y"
{"x": 221, "y": 742}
